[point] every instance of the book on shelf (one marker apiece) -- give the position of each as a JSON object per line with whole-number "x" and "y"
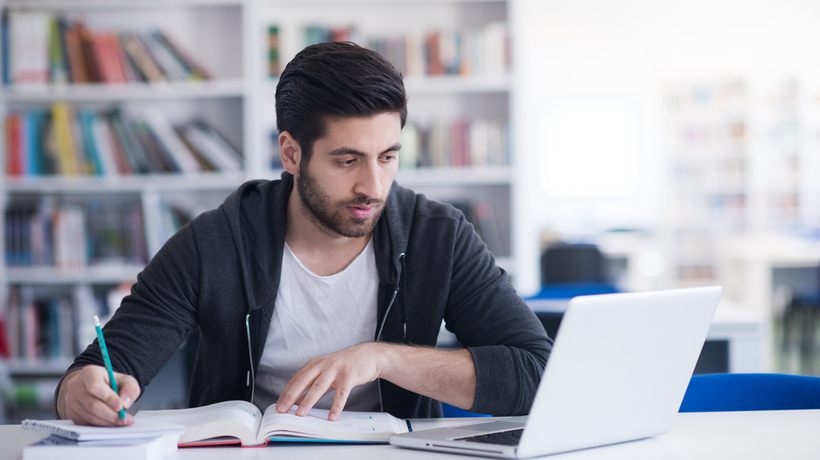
{"x": 240, "y": 422}
{"x": 46, "y": 48}
{"x": 28, "y": 47}
{"x": 477, "y": 51}
{"x": 48, "y": 234}
{"x": 46, "y": 323}
{"x": 210, "y": 145}
{"x": 274, "y": 66}
{"x": 81, "y": 142}
{"x": 444, "y": 144}
{"x": 152, "y": 448}
{"x": 34, "y": 392}
{"x": 455, "y": 144}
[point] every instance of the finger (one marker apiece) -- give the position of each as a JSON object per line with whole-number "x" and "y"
{"x": 339, "y": 401}
{"x": 101, "y": 390}
{"x": 102, "y": 410}
{"x": 129, "y": 389}
{"x": 295, "y": 389}
{"x": 320, "y": 386}
{"x": 85, "y": 412}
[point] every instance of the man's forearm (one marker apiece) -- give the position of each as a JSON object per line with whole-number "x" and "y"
{"x": 446, "y": 375}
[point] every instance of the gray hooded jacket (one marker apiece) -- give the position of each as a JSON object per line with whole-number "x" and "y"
{"x": 220, "y": 274}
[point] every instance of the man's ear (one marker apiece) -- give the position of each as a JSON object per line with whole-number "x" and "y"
{"x": 290, "y": 152}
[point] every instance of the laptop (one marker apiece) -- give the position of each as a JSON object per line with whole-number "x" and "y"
{"x": 618, "y": 371}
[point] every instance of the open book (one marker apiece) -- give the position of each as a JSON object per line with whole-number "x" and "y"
{"x": 232, "y": 422}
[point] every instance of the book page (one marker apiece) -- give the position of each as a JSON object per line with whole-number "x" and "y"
{"x": 349, "y": 426}
{"x": 238, "y": 419}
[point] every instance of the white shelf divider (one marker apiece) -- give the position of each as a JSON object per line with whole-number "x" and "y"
{"x": 211, "y": 89}
{"x": 64, "y": 5}
{"x": 132, "y": 183}
{"x": 454, "y": 176}
{"x": 114, "y": 274}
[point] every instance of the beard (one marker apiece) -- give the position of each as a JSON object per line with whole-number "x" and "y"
{"x": 333, "y": 216}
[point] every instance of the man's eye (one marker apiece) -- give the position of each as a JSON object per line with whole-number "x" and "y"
{"x": 347, "y": 162}
{"x": 389, "y": 157}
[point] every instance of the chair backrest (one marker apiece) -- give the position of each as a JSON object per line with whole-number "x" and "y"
{"x": 742, "y": 392}
{"x": 573, "y": 263}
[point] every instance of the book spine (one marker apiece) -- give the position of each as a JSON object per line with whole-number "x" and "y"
{"x": 92, "y": 63}
{"x": 170, "y": 66}
{"x": 13, "y": 159}
{"x": 4, "y": 46}
{"x": 86, "y": 121}
{"x": 28, "y": 37}
{"x": 58, "y": 71}
{"x": 130, "y": 145}
{"x": 182, "y": 156}
{"x": 274, "y": 66}
{"x": 194, "y": 70}
{"x": 77, "y": 65}
{"x": 66, "y": 154}
{"x": 140, "y": 58}
{"x": 105, "y": 149}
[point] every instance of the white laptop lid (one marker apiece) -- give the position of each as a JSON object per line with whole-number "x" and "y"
{"x": 619, "y": 369}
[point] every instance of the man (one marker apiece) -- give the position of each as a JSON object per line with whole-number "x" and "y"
{"x": 328, "y": 287}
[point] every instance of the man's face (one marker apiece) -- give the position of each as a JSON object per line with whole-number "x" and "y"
{"x": 347, "y": 179}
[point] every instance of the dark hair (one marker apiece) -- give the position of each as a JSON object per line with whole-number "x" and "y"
{"x": 339, "y": 79}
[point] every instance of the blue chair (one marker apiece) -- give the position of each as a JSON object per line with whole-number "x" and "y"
{"x": 743, "y": 392}
{"x": 453, "y": 411}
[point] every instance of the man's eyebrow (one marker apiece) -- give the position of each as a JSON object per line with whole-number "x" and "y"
{"x": 351, "y": 151}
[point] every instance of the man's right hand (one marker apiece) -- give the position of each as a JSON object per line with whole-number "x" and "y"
{"x": 86, "y": 398}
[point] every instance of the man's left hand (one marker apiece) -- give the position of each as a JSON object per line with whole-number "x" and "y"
{"x": 341, "y": 371}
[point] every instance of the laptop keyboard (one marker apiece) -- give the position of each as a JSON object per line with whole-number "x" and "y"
{"x": 507, "y": 438}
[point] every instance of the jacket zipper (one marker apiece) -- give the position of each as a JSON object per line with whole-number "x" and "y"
{"x": 384, "y": 320}
{"x": 250, "y": 378}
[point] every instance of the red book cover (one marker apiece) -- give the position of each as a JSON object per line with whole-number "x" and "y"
{"x": 434, "y": 64}
{"x": 101, "y": 58}
{"x": 92, "y": 63}
{"x": 77, "y": 65}
{"x": 118, "y": 56}
{"x": 14, "y": 159}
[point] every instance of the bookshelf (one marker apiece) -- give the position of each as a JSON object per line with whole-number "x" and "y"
{"x": 57, "y": 295}
{"x": 742, "y": 161}
{"x": 230, "y": 39}
{"x": 456, "y": 95}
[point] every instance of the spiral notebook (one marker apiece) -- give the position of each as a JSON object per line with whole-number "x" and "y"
{"x": 69, "y": 430}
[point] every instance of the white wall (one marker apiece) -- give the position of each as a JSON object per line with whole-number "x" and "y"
{"x": 627, "y": 50}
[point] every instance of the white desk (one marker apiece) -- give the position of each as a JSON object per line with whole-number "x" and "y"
{"x": 746, "y": 265}
{"x": 792, "y": 435}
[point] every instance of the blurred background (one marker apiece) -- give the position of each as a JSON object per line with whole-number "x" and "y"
{"x": 597, "y": 146}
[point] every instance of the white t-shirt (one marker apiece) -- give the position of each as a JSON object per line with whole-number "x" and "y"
{"x": 317, "y": 315}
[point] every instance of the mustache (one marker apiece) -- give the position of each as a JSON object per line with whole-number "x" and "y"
{"x": 363, "y": 200}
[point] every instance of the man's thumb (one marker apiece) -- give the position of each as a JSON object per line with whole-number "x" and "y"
{"x": 129, "y": 389}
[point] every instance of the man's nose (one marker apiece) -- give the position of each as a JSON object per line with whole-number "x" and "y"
{"x": 369, "y": 183}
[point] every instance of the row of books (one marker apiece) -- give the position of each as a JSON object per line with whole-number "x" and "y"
{"x": 44, "y": 48}
{"x": 459, "y": 144}
{"x": 483, "y": 51}
{"x": 62, "y": 140}
{"x": 44, "y": 324}
{"x": 48, "y": 234}
{"x": 453, "y": 144}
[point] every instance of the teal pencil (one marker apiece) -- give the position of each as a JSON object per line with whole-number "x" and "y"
{"x": 107, "y": 361}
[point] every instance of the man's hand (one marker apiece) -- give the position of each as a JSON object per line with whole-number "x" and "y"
{"x": 86, "y": 398}
{"x": 341, "y": 371}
